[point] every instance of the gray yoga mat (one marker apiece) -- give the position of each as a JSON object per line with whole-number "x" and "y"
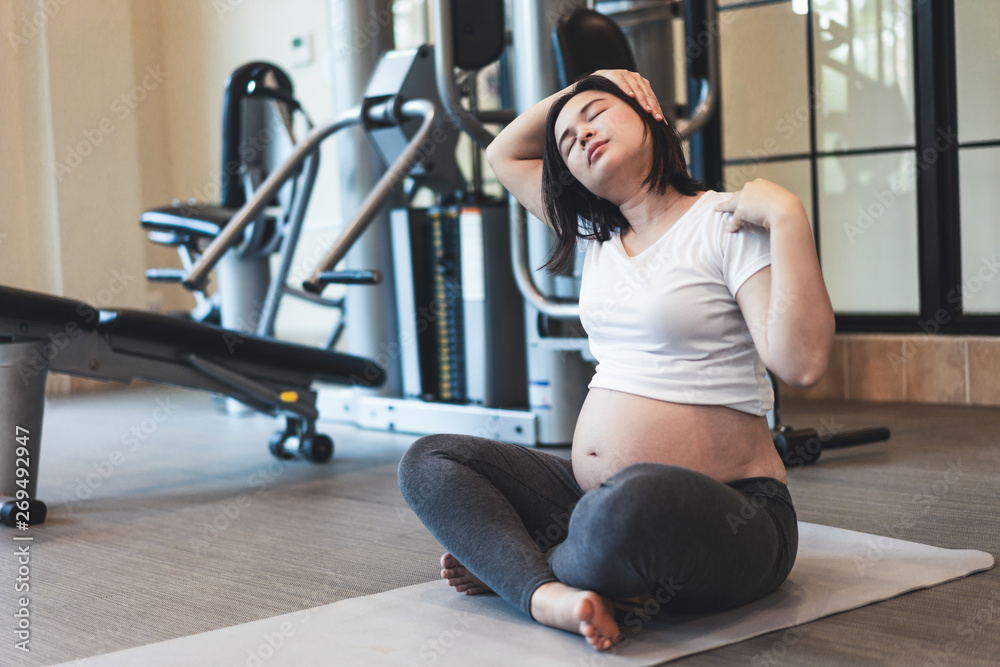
{"x": 836, "y": 570}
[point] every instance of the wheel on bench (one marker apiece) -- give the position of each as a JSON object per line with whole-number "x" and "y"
{"x": 20, "y": 513}
{"x": 287, "y": 445}
{"x": 277, "y": 446}
{"x": 318, "y": 448}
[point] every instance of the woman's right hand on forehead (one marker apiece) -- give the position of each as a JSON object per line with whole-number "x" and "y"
{"x": 636, "y": 86}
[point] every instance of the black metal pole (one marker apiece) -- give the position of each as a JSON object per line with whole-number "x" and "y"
{"x": 706, "y": 146}
{"x": 938, "y": 239}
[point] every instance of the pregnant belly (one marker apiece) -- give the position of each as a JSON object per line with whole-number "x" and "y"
{"x": 615, "y": 430}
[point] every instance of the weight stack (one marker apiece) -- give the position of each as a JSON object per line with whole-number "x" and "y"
{"x": 460, "y": 314}
{"x": 446, "y": 267}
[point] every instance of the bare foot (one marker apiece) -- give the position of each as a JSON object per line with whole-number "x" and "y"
{"x": 460, "y": 578}
{"x": 560, "y": 606}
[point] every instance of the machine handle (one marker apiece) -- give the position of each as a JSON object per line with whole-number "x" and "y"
{"x": 373, "y": 202}
{"x": 232, "y": 233}
{"x": 804, "y": 446}
{"x": 351, "y": 277}
{"x": 559, "y": 310}
{"x": 444, "y": 67}
{"x": 164, "y": 275}
{"x": 861, "y": 436}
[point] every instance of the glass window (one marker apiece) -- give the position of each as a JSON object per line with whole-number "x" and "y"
{"x": 764, "y": 85}
{"x": 864, "y": 73}
{"x": 977, "y": 52}
{"x": 977, "y": 25}
{"x": 868, "y": 232}
{"x": 857, "y": 133}
{"x": 409, "y": 24}
{"x": 791, "y": 174}
{"x": 979, "y": 170}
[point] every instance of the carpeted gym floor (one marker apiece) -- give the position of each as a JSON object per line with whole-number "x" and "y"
{"x": 167, "y": 518}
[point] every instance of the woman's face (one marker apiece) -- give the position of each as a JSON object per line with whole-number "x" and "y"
{"x": 601, "y": 138}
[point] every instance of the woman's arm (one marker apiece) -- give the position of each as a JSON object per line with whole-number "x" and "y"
{"x": 786, "y": 306}
{"x": 516, "y": 153}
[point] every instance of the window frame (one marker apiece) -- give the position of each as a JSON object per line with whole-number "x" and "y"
{"x": 939, "y": 261}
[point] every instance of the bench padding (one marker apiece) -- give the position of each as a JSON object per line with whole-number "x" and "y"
{"x": 212, "y": 342}
{"x": 45, "y": 309}
{"x": 186, "y": 337}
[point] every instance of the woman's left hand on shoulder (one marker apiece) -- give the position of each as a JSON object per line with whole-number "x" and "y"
{"x": 759, "y": 203}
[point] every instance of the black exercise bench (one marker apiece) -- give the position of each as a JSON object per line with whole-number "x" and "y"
{"x": 40, "y": 333}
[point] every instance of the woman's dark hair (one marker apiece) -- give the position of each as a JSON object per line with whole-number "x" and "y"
{"x": 566, "y": 200}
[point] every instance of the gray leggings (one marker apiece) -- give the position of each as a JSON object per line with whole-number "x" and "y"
{"x": 516, "y": 518}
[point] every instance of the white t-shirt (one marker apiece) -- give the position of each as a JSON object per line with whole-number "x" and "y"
{"x": 665, "y": 324}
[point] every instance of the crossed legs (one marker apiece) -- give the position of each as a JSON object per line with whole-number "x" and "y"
{"x": 514, "y": 521}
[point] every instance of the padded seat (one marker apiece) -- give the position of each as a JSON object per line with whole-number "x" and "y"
{"x": 192, "y": 222}
{"x": 213, "y": 342}
{"x": 586, "y": 41}
{"x": 48, "y": 310}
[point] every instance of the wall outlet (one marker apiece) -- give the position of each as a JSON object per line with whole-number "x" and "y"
{"x": 302, "y": 50}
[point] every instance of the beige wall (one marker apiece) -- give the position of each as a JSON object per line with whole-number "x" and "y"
{"x": 29, "y": 240}
{"x": 155, "y": 157}
{"x": 114, "y": 106}
{"x": 95, "y": 93}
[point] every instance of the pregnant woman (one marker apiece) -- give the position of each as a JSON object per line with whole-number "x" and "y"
{"x": 674, "y": 488}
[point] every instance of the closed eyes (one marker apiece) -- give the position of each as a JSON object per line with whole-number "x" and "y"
{"x": 568, "y": 147}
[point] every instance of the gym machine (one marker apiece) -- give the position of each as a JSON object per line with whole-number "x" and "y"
{"x": 259, "y": 125}
{"x": 40, "y": 333}
{"x": 576, "y": 40}
{"x": 465, "y": 374}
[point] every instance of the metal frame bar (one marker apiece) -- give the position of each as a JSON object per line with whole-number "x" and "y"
{"x": 523, "y": 274}
{"x": 378, "y": 195}
{"x": 991, "y": 143}
{"x": 706, "y": 146}
{"x": 786, "y": 157}
{"x": 813, "y": 123}
{"x": 938, "y": 214}
{"x": 709, "y": 97}
{"x": 749, "y": 4}
{"x": 405, "y": 415}
{"x": 289, "y": 242}
{"x": 232, "y": 233}
{"x": 444, "y": 65}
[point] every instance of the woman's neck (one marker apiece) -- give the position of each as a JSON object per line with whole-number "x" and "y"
{"x": 650, "y": 213}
